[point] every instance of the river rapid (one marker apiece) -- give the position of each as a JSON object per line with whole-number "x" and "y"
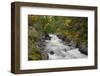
{"x": 56, "y": 49}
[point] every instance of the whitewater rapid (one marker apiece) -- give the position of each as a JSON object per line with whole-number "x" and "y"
{"x": 56, "y": 49}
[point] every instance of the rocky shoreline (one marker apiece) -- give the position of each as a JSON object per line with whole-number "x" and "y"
{"x": 82, "y": 47}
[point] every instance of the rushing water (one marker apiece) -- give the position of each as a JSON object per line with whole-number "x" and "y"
{"x": 56, "y": 49}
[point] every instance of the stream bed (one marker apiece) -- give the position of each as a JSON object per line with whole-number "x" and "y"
{"x": 55, "y": 48}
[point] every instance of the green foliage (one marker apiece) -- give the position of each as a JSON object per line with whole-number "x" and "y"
{"x": 73, "y": 28}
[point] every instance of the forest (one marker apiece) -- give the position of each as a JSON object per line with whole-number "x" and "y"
{"x": 73, "y": 30}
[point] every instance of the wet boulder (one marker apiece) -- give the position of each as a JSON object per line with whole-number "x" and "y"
{"x": 83, "y": 48}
